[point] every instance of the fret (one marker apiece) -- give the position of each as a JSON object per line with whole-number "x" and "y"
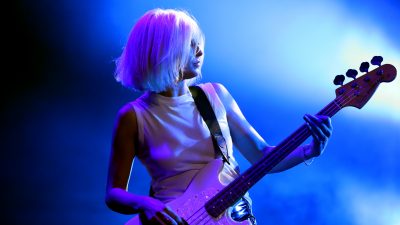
{"x": 236, "y": 189}
{"x": 355, "y": 93}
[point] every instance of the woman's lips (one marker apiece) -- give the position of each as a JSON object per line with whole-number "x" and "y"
{"x": 197, "y": 63}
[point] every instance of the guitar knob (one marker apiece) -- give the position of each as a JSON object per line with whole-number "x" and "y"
{"x": 376, "y": 60}
{"x": 364, "y": 67}
{"x": 351, "y": 73}
{"x": 339, "y": 80}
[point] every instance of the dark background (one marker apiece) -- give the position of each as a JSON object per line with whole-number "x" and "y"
{"x": 277, "y": 59}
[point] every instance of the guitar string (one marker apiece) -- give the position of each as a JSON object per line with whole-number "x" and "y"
{"x": 301, "y": 134}
{"x": 304, "y": 133}
{"x": 329, "y": 109}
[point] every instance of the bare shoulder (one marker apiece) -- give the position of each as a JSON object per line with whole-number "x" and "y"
{"x": 126, "y": 116}
{"x": 224, "y": 95}
{"x": 220, "y": 89}
{"x": 125, "y": 130}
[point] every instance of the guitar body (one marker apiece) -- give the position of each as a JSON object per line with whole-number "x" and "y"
{"x": 190, "y": 205}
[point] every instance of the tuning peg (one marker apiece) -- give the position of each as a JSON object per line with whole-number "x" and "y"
{"x": 339, "y": 80}
{"x": 351, "y": 73}
{"x": 376, "y": 60}
{"x": 364, "y": 67}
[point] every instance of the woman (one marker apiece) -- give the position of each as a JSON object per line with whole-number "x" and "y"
{"x": 163, "y": 128}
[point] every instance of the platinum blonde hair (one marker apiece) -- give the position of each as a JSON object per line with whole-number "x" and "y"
{"x": 157, "y": 50}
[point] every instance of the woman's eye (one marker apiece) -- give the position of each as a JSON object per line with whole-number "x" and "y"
{"x": 193, "y": 44}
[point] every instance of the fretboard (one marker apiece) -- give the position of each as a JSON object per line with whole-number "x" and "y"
{"x": 236, "y": 189}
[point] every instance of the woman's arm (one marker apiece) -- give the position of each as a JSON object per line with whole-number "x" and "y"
{"x": 121, "y": 159}
{"x": 124, "y": 143}
{"x": 253, "y": 146}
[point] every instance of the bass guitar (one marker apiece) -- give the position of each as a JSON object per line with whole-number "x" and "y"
{"x": 208, "y": 201}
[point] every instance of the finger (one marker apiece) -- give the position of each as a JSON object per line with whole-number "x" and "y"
{"x": 164, "y": 219}
{"x": 316, "y": 131}
{"x": 317, "y": 134}
{"x": 311, "y": 128}
{"x": 157, "y": 219}
{"x": 173, "y": 215}
{"x": 320, "y": 122}
{"x": 326, "y": 129}
{"x": 326, "y": 120}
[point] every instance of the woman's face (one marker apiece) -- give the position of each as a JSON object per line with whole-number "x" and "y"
{"x": 193, "y": 66}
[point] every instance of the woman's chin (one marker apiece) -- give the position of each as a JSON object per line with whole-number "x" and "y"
{"x": 191, "y": 74}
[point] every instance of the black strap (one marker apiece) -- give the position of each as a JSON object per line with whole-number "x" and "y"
{"x": 207, "y": 112}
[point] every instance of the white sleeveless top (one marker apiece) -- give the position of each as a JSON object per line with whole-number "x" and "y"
{"x": 175, "y": 142}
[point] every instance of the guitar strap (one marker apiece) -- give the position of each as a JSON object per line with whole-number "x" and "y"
{"x": 242, "y": 209}
{"x": 207, "y": 112}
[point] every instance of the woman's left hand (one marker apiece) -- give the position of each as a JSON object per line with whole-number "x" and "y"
{"x": 321, "y": 130}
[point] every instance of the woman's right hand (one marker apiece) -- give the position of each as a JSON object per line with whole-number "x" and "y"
{"x": 156, "y": 212}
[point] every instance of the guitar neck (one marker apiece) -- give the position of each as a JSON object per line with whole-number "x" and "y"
{"x": 356, "y": 93}
{"x": 236, "y": 189}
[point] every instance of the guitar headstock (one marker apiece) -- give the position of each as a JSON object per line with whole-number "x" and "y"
{"x": 357, "y": 92}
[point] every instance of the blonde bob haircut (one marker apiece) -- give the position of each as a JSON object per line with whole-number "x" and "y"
{"x": 157, "y": 50}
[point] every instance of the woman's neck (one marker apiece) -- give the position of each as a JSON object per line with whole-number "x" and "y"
{"x": 180, "y": 89}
